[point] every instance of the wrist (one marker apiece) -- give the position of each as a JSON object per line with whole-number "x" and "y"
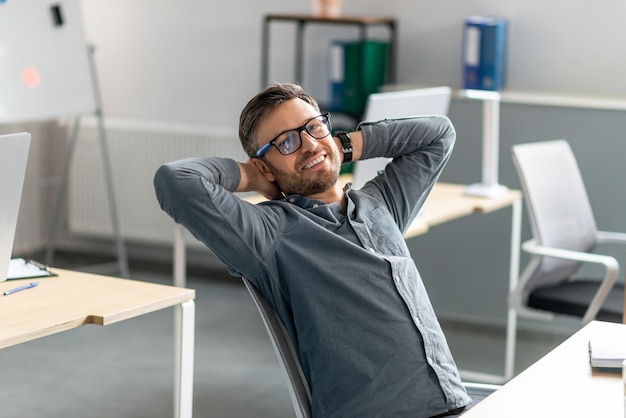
{"x": 346, "y": 146}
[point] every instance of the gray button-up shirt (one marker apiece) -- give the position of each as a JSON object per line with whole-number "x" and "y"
{"x": 344, "y": 285}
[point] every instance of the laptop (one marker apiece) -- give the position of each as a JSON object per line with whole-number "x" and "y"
{"x": 13, "y": 158}
{"x": 398, "y": 104}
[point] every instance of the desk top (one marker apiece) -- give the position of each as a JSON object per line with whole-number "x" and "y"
{"x": 446, "y": 202}
{"x": 561, "y": 384}
{"x": 73, "y": 299}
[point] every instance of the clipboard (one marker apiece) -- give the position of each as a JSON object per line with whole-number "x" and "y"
{"x": 20, "y": 268}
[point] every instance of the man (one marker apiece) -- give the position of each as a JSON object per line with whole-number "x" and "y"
{"x": 331, "y": 260}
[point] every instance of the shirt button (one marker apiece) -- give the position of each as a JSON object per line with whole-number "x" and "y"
{"x": 292, "y": 200}
{"x": 316, "y": 205}
{"x": 430, "y": 360}
{"x": 417, "y": 320}
{"x": 372, "y": 250}
{"x": 397, "y": 278}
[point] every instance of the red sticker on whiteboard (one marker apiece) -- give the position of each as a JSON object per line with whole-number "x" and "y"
{"x": 30, "y": 77}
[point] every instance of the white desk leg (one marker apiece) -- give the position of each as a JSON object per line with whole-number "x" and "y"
{"x": 511, "y": 327}
{"x": 509, "y": 356}
{"x": 180, "y": 260}
{"x": 183, "y": 361}
{"x": 184, "y": 329}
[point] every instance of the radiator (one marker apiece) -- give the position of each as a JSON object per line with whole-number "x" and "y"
{"x": 136, "y": 150}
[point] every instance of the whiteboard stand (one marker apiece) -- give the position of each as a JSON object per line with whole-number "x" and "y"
{"x": 122, "y": 259}
{"x": 489, "y": 186}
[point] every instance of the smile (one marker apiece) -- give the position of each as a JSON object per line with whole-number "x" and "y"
{"x": 314, "y": 162}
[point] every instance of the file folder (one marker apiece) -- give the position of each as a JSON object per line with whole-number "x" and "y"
{"x": 484, "y": 53}
{"x": 335, "y": 76}
{"x": 357, "y": 69}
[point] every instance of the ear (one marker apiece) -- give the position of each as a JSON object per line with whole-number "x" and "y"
{"x": 264, "y": 169}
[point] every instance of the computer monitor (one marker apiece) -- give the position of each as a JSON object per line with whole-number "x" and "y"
{"x": 398, "y": 104}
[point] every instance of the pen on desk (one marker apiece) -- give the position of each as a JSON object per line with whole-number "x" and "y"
{"x": 17, "y": 289}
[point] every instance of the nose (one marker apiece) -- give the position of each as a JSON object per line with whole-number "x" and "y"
{"x": 308, "y": 142}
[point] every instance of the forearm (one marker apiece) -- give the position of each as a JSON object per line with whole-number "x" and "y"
{"x": 394, "y": 138}
{"x": 198, "y": 194}
{"x": 420, "y": 148}
{"x": 178, "y": 181}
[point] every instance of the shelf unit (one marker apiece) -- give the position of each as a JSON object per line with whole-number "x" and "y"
{"x": 362, "y": 23}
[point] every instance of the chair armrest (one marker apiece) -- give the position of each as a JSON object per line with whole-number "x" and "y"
{"x": 609, "y": 237}
{"x": 610, "y": 277}
{"x": 531, "y": 247}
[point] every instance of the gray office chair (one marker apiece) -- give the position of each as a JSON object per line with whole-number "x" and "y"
{"x": 564, "y": 236}
{"x": 296, "y": 381}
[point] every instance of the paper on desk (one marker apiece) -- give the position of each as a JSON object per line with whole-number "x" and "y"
{"x": 20, "y": 268}
{"x": 607, "y": 351}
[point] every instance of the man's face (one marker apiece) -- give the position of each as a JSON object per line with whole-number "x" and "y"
{"x": 312, "y": 169}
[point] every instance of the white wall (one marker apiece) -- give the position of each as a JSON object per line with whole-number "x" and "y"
{"x": 198, "y": 61}
{"x": 192, "y": 61}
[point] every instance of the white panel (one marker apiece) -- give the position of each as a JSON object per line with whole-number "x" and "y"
{"x": 137, "y": 149}
{"x": 44, "y": 65}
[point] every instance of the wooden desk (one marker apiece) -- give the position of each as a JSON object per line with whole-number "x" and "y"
{"x": 561, "y": 384}
{"x": 73, "y": 299}
{"x": 445, "y": 203}
{"x": 448, "y": 201}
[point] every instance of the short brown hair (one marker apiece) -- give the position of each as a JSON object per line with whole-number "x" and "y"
{"x": 260, "y": 106}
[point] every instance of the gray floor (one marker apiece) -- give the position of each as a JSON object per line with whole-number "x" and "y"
{"x": 126, "y": 369}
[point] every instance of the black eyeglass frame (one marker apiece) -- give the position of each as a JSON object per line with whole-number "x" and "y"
{"x": 326, "y": 120}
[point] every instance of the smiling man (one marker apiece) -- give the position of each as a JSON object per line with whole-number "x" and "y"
{"x": 331, "y": 260}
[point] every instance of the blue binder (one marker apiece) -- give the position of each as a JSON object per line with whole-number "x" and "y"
{"x": 336, "y": 73}
{"x": 484, "y": 53}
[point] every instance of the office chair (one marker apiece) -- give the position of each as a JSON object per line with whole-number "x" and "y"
{"x": 296, "y": 381}
{"x": 289, "y": 363}
{"x": 564, "y": 236}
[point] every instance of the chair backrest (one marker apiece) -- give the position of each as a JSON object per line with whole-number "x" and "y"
{"x": 399, "y": 104}
{"x": 558, "y": 207}
{"x": 290, "y": 365}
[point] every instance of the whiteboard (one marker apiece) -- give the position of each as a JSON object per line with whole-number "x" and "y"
{"x": 44, "y": 64}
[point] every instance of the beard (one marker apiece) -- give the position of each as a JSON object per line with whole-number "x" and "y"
{"x": 294, "y": 183}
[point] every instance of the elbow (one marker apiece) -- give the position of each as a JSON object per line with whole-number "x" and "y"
{"x": 448, "y": 137}
{"x": 164, "y": 182}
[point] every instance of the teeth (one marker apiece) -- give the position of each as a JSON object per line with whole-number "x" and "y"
{"x": 315, "y": 161}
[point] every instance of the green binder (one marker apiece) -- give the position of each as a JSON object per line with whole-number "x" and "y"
{"x": 365, "y": 70}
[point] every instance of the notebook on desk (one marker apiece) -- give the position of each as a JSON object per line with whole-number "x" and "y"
{"x": 13, "y": 158}
{"x": 398, "y": 104}
{"x": 607, "y": 351}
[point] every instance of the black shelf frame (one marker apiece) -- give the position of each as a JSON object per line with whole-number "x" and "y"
{"x": 301, "y": 21}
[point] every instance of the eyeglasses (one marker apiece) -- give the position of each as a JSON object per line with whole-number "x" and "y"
{"x": 290, "y": 141}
